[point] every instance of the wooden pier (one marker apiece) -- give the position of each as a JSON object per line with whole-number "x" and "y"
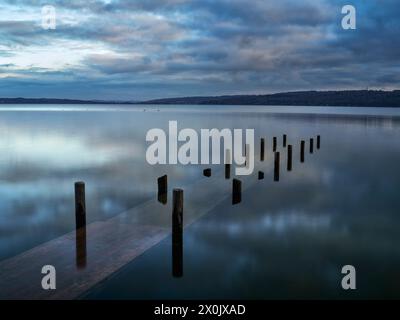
{"x": 88, "y": 256}
{"x": 109, "y": 246}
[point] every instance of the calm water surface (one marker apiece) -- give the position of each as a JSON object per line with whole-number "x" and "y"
{"x": 287, "y": 239}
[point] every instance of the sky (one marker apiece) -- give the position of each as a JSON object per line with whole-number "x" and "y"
{"x": 147, "y": 49}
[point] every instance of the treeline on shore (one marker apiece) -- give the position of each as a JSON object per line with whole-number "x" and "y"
{"x": 350, "y": 98}
{"x": 355, "y": 98}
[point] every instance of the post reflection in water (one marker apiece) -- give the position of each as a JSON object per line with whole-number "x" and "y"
{"x": 177, "y": 234}
{"x": 289, "y": 157}
{"x": 302, "y": 147}
{"x": 277, "y": 166}
{"x": 81, "y": 254}
{"x": 236, "y": 191}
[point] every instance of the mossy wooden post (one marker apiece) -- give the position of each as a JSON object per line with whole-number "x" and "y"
{"x": 277, "y": 166}
{"x": 177, "y": 233}
{"x": 207, "y": 172}
{"x": 80, "y": 205}
{"x": 311, "y": 145}
{"x": 318, "y": 142}
{"x": 162, "y": 189}
{"x": 228, "y": 162}
{"x": 236, "y": 191}
{"x": 284, "y": 140}
{"x": 289, "y": 157}
{"x": 274, "y": 144}
{"x": 262, "y": 151}
{"x": 302, "y": 147}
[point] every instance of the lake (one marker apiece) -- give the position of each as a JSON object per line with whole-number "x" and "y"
{"x": 285, "y": 240}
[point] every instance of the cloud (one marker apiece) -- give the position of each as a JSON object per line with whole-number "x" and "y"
{"x": 154, "y": 48}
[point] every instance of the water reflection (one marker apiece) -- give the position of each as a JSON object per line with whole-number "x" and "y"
{"x": 285, "y": 240}
{"x": 289, "y": 157}
{"x": 302, "y": 147}
{"x": 236, "y": 191}
{"x": 81, "y": 254}
{"x": 311, "y": 145}
{"x": 277, "y": 166}
{"x": 177, "y": 234}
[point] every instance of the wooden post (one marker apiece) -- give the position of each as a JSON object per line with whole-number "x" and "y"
{"x": 177, "y": 233}
{"x": 274, "y": 144}
{"x": 260, "y": 175}
{"x": 284, "y": 140}
{"x": 276, "y": 167}
{"x": 289, "y": 157}
{"x": 236, "y": 191}
{"x": 207, "y": 172}
{"x": 80, "y": 205}
{"x": 311, "y": 145}
{"x": 228, "y": 162}
{"x": 302, "y": 147}
{"x": 262, "y": 151}
{"x": 162, "y": 184}
{"x": 162, "y": 189}
{"x": 318, "y": 142}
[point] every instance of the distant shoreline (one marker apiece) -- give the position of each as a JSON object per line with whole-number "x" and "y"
{"x": 351, "y": 98}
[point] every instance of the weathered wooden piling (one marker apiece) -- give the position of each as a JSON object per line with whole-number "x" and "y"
{"x": 228, "y": 162}
{"x": 302, "y": 148}
{"x": 236, "y": 191}
{"x": 80, "y": 205}
{"x": 162, "y": 189}
{"x": 262, "y": 150}
{"x": 311, "y": 145}
{"x": 274, "y": 144}
{"x": 318, "y": 142}
{"x": 260, "y": 175}
{"x": 207, "y": 172}
{"x": 277, "y": 166}
{"x": 177, "y": 233}
{"x": 289, "y": 157}
{"x": 162, "y": 184}
{"x": 284, "y": 140}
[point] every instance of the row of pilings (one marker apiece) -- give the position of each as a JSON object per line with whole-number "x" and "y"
{"x": 178, "y": 199}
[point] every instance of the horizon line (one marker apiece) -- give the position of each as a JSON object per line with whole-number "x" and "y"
{"x": 199, "y": 96}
